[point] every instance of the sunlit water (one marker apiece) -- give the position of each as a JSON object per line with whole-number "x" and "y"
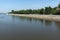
{"x": 22, "y": 28}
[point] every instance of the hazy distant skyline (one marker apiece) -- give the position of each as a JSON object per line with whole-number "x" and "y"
{"x": 8, "y": 5}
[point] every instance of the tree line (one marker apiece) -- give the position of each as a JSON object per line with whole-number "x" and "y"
{"x": 46, "y": 10}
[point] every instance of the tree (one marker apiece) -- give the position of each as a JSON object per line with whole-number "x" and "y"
{"x": 12, "y": 11}
{"x": 46, "y": 10}
{"x": 59, "y": 6}
{"x": 49, "y": 10}
{"x": 53, "y": 11}
{"x": 34, "y": 11}
{"x": 42, "y": 11}
{"x": 29, "y": 11}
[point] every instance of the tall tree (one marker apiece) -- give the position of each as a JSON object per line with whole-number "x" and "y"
{"x": 46, "y": 10}
{"x": 42, "y": 11}
{"x": 59, "y": 5}
{"x": 49, "y": 10}
{"x": 12, "y": 11}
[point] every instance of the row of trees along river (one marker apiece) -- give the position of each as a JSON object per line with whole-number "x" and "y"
{"x": 46, "y": 10}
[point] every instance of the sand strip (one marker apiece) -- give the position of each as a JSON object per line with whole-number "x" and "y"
{"x": 47, "y": 17}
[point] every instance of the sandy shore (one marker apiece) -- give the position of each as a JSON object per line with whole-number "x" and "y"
{"x": 47, "y": 17}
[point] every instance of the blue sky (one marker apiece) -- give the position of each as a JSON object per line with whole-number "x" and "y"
{"x": 8, "y": 5}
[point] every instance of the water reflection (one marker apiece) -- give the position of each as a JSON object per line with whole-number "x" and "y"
{"x": 24, "y": 28}
{"x": 44, "y": 22}
{"x": 48, "y": 22}
{"x": 57, "y": 23}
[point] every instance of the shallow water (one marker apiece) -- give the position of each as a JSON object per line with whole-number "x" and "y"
{"x": 22, "y": 28}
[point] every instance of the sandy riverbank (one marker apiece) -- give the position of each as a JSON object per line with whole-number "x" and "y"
{"x": 47, "y": 17}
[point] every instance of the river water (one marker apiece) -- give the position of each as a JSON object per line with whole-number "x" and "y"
{"x": 22, "y": 28}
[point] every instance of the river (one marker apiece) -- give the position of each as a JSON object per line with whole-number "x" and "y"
{"x": 24, "y": 28}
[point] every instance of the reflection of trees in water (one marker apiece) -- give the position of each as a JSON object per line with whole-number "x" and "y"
{"x": 38, "y": 20}
{"x": 48, "y": 22}
{"x": 27, "y": 19}
{"x": 57, "y": 24}
{"x": 13, "y": 17}
{"x": 30, "y": 19}
{"x": 44, "y": 22}
{"x": 21, "y": 18}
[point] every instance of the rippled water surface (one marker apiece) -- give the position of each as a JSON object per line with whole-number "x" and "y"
{"x": 22, "y": 28}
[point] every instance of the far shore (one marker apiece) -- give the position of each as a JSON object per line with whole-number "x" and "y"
{"x": 37, "y": 16}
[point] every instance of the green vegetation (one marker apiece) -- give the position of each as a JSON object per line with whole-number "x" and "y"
{"x": 47, "y": 10}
